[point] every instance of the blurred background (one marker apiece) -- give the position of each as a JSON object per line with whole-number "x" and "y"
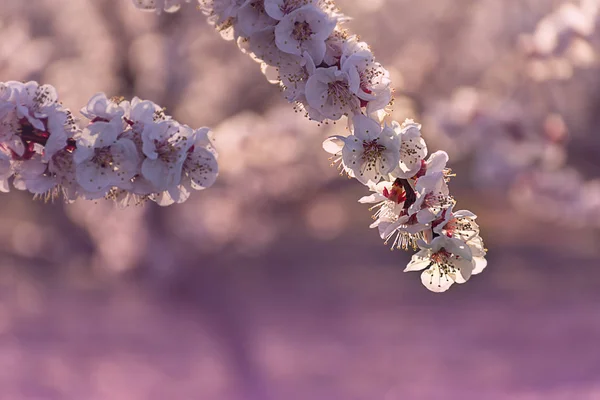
{"x": 270, "y": 285}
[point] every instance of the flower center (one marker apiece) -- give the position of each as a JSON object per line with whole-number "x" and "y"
{"x": 103, "y": 157}
{"x": 301, "y": 31}
{"x": 443, "y": 259}
{"x": 372, "y": 150}
{"x": 441, "y": 256}
{"x": 171, "y": 151}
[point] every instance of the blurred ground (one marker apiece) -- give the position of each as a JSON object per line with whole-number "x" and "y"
{"x": 312, "y": 319}
{"x": 270, "y": 286}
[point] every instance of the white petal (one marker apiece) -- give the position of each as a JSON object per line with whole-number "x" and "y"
{"x": 457, "y": 247}
{"x": 334, "y": 144}
{"x": 437, "y": 161}
{"x": 201, "y": 168}
{"x": 162, "y": 174}
{"x": 419, "y": 261}
{"x": 366, "y": 128}
{"x": 316, "y": 48}
{"x": 465, "y": 214}
{"x": 373, "y": 198}
{"x": 480, "y": 264}
{"x": 464, "y": 269}
{"x": 433, "y": 280}
{"x": 92, "y": 177}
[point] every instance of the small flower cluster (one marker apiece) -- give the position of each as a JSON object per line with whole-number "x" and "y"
{"x": 329, "y": 74}
{"x": 128, "y": 151}
{"x": 413, "y": 207}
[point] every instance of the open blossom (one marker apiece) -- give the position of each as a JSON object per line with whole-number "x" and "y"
{"x": 47, "y": 180}
{"x": 367, "y": 79}
{"x": 432, "y": 197}
{"x": 294, "y": 77}
{"x": 165, "y": 146}
{"x": 458, "y": 224}
{"x": 100, "y": 108}
{"x": 35, "y": 116}
{"x": 370, "y": 152}
{"x": 389, "y": 199}
{"x": 104, "y": 159}
{"x": 461, "y": 225}
{"x": 305, "y": 29}
{"x": 199, "y": 170}
{"x": 36, "y": 133}
{"x": 444, "y": 261}
{"x": 412, "y": 149}
{"x": 392, "y": 201}
{"x": 328, "y": 92}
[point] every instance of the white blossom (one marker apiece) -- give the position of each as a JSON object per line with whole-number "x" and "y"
{"x": 413, "y": 148}
{"x": 165, "y": 145}
{"x": 47, "y": 180}
{"x": 328, "y": 92}
{"x": 389, "y": 199}
{"x": 104, "y": 160}
{"x": 32, "y": 114}
{"x": 99, "y": 107}
{"x": 445, "y": 261}
{"x": 294, "y": 78}
{"x": 368, "y": 80}
{"x": 461, "y": 225}
{"x": 370, "y": 152}
{"x": 432, "y": 197}
{"x": 199, "y": 170}
{"x": 305, "y": 29}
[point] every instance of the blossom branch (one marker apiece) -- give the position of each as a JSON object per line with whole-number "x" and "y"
{"x": 130, "y": 151}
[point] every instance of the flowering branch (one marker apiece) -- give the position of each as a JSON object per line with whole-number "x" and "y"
{"x": 129, "y": 151}
{"x": 329, "y": 74}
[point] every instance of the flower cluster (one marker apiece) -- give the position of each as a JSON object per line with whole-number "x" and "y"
{"x": 329, "y": 74}
{"x": 413, "y": 207}
{"x": 130, "y": 150}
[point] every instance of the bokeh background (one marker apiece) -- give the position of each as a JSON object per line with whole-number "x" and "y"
{"x": 270, "y": 285}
